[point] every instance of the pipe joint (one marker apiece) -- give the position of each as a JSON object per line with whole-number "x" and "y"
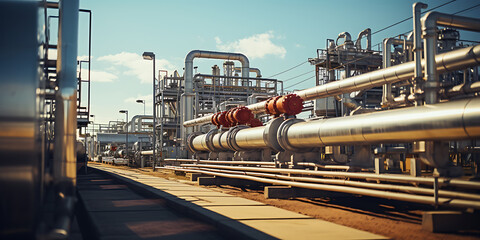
{"x": 283, "y": 137}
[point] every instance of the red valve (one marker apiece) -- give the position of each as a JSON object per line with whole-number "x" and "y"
{"x": 219, "y": 119}
{"x": 290, "y": 104}
{"x": 242, "y": 115}
{"x": 222, "y": 120}
{"x": 232, "y": 117}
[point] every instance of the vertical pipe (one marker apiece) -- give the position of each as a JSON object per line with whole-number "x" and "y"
{"x": 417, "y": 47}
{"x": 387, "y": 56}
{"x": 64, "y": 159}
{"x": 154, "y": 119}
{"x": 429, "y": 35}
{"x": 66, "y": 95}
{"x": 126, "y": 143}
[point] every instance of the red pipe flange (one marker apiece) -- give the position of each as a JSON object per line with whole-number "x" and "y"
{"x": 291, "y": 104}
{"x": 270, "y": 106}
{"x": 242, "y": 115}
{"x": 222, "y": 120}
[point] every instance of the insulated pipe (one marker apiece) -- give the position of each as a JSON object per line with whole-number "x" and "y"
{"x": 429, "y": 33}
{"x": 450, "y": 61}
{"x": 66, "y": 96}
{"x": 64, "y": 158}
{"x": 358, "y": 43}
{"x": 188, "y": 96}
{"x": 353, "y": 190}
{"x": 444, "y": 121}
{"x": 445, "y": 62}
{"x": 239, "y": 138}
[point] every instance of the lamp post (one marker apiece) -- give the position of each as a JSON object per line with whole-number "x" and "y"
{"x": 151, "y": 56}
{"x": 93, "y": 136}
{"x": 126, "y": 125}
{"x": 142, "y": 101}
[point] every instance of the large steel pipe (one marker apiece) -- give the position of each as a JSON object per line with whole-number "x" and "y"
{"x": 446, "y": 62}
{"x": 238, "y": 138}
{"x": 444, "y": 121}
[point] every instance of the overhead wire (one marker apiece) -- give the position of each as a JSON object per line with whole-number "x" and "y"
{"x": 303, "y": 74}
{"x": 300, "y": 64}
{"x": 300, "y": 82}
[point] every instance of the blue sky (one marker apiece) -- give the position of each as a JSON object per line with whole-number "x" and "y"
{"x": 275, "y": 35}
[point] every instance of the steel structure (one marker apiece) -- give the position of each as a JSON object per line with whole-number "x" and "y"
{"x": 204, "y": 94}
{"x": 43, "y": 107}
{"x": 392, "y": 112}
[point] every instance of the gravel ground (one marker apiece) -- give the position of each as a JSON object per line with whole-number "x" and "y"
{"x": 393, "y": 219}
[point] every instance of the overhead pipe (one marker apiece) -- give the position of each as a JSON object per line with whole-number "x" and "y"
{"x": 429, "y": 34}
{"x": 445, "y": 62}
{"x": 352, "y": 190}
{"x": 64, "y": 157}
{"x": 358, "y": 43}
{"x": 188, "y": 95}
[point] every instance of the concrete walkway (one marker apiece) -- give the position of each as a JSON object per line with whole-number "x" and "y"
{"x": 276, "y": 222}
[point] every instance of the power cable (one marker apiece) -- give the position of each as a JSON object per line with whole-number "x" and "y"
{"x": 467, "y": 9}
{"x": 303, "y": 74}
{"x": 300, "y": 82}
{"x": 300, "y": 64}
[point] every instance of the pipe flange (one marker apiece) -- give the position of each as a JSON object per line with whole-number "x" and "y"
{"x": 270, "y": 133}
{"x": 209, "y": 139}
{"x": 232, "y": 144}
{"x": 282, "y": 135}
{"x": 220, "y": 141}
{"x": 190, "y": 141}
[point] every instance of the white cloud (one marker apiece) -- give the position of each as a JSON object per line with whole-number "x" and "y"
{"x": 135, "y": 65}
{"x": 98, "y": 76}
{"x": 256, "y": 46}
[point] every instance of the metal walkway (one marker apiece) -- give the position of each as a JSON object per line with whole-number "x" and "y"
{"x": 249, "y": 218}
{"x": 111, "y": 210}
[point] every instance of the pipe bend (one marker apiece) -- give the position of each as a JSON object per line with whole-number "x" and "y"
{"x": 344, "y": 35}
{"x": 429, "y": 21}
